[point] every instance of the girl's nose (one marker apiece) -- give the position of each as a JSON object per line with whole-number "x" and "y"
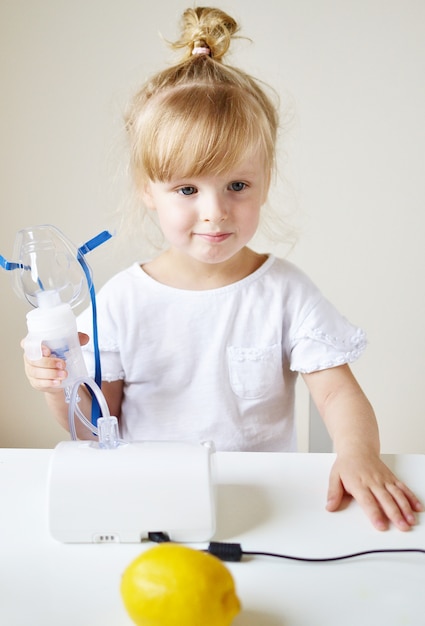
{"x": 214, "y": 209}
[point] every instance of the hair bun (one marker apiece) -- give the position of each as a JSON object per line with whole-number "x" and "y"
{"x": 204, "y": 27}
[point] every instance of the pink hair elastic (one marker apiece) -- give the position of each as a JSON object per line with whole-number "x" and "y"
{"x": 201, "y": 50}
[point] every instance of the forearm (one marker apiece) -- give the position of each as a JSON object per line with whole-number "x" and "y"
{"x": 345, "y": 410}
{"x": 351, "y": 423}
{"x": 59, "y": 408}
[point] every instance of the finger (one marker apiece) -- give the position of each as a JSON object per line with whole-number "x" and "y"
{"x": 371, "y": 506}
{"x": 335, "y": 492}
{"x": 46, "y": 362}
{"x": 84, "y": 339}
{"x": 44, "y": 349}
{"x": 45, "y": 373}
{"x": 414, "y": 501}
{"x": 391, "y": 509}
{"x": 45, "y": 384}
{"x": 48, "y": 373}
{"x": 404, "y": 500}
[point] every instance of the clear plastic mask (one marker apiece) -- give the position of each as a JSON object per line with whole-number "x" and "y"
{"x": 48, "y": 262}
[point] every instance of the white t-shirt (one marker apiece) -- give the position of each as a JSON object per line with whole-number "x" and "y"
{"x": 217, "y": 365}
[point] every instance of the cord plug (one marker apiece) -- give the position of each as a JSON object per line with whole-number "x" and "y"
{"x": 226, "y": 551}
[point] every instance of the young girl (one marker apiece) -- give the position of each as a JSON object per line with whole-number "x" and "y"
{"x": 205, "y": 341}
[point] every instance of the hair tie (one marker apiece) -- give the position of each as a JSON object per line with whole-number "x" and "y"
{"x": 201, "y": 50}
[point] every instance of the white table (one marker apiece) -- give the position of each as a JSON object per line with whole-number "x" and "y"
{"x": 267, "y": 502}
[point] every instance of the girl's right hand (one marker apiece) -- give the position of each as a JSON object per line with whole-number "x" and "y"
{"x": 47, "y": 373}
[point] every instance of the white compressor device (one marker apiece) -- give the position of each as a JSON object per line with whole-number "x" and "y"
{"x": 122, "y": 494}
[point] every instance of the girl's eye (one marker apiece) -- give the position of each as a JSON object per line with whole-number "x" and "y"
{"x": 187, "y": 191}
{"x": 237, "y": 186}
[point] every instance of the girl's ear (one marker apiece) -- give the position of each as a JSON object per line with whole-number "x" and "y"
{"x": 147, "y": 196}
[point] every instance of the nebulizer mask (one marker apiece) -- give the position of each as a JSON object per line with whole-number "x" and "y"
{"x": 53, "y": 276}
{"x": 108, "y": 490}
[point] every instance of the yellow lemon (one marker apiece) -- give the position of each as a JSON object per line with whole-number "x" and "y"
{"x": 174, "y": 585}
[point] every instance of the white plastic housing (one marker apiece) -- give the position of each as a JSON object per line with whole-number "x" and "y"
{"x": 121, "y": 495}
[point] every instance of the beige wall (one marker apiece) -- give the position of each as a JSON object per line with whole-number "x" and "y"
{"x": 354, "y": 163}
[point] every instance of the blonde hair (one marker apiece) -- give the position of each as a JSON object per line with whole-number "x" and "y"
{"x": 200, "y": 115}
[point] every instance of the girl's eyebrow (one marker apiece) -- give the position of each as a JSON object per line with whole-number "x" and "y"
{"x": 246, "y": 171}
{"x": 232, "y": 175}
{"x": 246, "y": 174}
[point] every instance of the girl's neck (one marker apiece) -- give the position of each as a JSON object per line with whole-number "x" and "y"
{"x": 180, "y": 271}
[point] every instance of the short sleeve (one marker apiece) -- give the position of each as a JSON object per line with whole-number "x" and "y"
{"x": 325, "y": 339}
{"x": 110, "y": 357}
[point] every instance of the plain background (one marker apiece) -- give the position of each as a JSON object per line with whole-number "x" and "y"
{"x": 350, "y": 74}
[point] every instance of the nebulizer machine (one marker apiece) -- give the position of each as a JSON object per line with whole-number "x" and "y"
{"x": 107, "y": 490}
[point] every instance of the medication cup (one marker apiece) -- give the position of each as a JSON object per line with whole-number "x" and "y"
{"x": 53, "y": 324}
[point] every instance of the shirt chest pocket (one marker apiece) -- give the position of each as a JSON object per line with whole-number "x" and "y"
{"x": 254, "y": 371}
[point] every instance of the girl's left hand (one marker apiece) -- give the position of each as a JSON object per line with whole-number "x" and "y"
{"x": 383, "y": 497}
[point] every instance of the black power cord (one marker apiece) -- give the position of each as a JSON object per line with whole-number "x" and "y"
{"x": 233, "y": 551}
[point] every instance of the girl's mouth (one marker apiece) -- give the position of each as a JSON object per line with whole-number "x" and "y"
{"x": 213, "y": 237}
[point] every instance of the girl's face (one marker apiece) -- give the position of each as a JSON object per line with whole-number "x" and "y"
{"x": 210, "y": 218}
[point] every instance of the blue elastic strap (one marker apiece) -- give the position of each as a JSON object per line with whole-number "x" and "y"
{"x": 82, "y": 250}
{"x": 96, "y": 241}
{"x": 8, "y": 265}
